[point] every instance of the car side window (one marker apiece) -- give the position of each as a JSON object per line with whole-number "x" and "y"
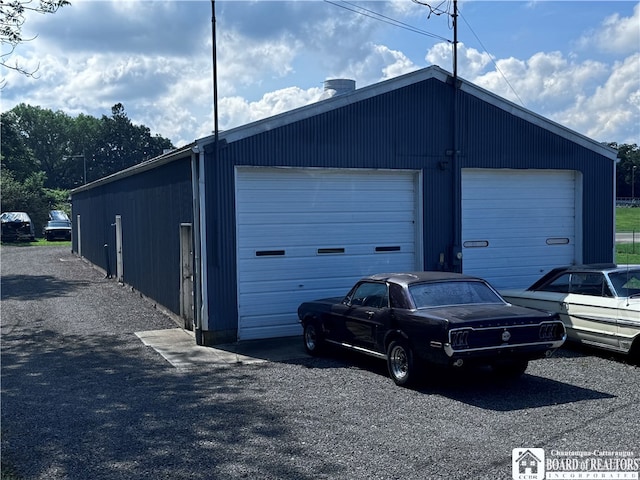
{"x": 560, "y": 284}
{"x": 589, "y": 284}
{"x": 581, "y": 283}
{"x": 369, "y": 294}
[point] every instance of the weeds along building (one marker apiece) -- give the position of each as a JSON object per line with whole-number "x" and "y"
{"x": 419, "y": 172}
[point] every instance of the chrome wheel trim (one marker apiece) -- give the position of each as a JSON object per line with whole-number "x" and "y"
{"x": 310, "y": 337}
{"x": 399, "y": 362}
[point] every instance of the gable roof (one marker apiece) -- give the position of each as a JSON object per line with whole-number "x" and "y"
{"x": 360, "y": 94}
{"x": 417, "y": 76}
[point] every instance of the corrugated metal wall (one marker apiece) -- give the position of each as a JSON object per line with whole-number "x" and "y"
{"x": 152, "y": 205}
{"x": 492, "y": 138}
{"x": 405, "y": 129}
{"x": 409, "y": 128}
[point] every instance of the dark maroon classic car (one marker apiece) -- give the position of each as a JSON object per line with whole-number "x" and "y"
{"x": 412, "y": 319}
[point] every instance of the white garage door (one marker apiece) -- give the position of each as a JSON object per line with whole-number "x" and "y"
{"x": 305, "y": 234}
{"x": 518, "y": 224}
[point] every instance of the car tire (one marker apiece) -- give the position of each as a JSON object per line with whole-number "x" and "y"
{"x": 312, "y": 338}
{"x": 634, "y": 352}
{"x": 511, "y": 370}
{"x": 401, "y": 364}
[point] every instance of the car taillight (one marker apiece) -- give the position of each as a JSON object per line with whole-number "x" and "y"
{"x": 459, "y": 338}
{"x": 550, "y": 331}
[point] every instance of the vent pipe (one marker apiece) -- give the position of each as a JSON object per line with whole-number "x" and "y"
{"x": 337, "y": 86}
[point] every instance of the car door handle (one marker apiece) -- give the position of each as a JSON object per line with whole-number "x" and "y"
{"x": 370, "y": 313}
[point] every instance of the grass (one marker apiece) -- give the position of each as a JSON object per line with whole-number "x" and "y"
{"x": 627, "y": 219}
{"x": 628, "y": 253}
{"x": 40, "y": 242}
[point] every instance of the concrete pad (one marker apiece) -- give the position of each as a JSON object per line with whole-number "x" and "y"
{"x": 178, "y": 347}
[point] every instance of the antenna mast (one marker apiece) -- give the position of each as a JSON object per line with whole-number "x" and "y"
{"x": 454, "y": 15}
{"x": 215, "y": 71}
{"x": 455, "y": 40}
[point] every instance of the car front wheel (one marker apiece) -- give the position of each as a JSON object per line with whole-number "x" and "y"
{"x": 312, "y": 338}
{"x": 400, "y": 363}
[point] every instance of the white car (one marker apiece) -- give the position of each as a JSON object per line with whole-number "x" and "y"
{"x": 599, "y": 304}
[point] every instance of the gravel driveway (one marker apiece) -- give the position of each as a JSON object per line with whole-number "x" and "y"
{"x": 83, "y": 398}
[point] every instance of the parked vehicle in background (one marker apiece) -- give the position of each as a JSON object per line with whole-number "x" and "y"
{"x": 420, "y": 318}
{"x": 599, "y": 304}
{"x": 17, "y": 226}
{"x": 58, "y": 227}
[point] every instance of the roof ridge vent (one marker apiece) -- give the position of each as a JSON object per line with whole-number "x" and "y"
{"x": 337, "y": 86}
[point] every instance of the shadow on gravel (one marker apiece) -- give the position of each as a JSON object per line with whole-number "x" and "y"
{"x": 481, "y": 388}
{"x": 104, "y": 406}
{"x": 34, "y": 287}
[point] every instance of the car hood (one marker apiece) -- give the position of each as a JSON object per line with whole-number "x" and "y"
{"x": 490, "y": 314}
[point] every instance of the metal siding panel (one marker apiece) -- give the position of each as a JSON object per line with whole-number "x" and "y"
{"x": 493, "y": 138}
{"x": 152, "y": 206}
{"x": 403, "y": 129}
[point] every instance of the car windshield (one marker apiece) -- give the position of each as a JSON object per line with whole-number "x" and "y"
{"x": 626, "y": 283}
{"x": 15, "y": 217}
{"x": 58, "y": 215}
{"x": 440, "y": 294}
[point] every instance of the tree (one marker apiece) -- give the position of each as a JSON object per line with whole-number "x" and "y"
{"x": 122, "y": 144}
{"x": 29, "y": 196}
{"x": 45, "y": 154}
{"x": 73, "y": 151}
{"x": 14, "y": 154}
{"x": 12, "y": 18}
{"x": 47, "y": 134}
{"x": 628, "y": 180}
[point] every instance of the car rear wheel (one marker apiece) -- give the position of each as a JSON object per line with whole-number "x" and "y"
{"x": 511, "y": 370}
{"x": 400, "y": 363}
{"x": 312, "y": 338}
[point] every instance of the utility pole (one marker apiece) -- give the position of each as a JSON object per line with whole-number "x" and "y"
{"x": 215, "y": 71}
{"x": 453, "y": 154}
{"x": 455, "y": 40}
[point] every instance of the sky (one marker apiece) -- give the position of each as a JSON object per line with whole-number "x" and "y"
{"x": 574, "y": 62}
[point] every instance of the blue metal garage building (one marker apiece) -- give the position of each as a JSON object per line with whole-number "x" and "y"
{"x": 417, "y": 172}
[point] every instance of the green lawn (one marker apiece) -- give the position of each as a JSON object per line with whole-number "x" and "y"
{"x": 40, "y": 242}
{"x": 628, "y": 253}
{"x": 627, "y": 219}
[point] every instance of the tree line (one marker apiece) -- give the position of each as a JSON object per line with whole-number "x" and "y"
{"x": 45, "y": 154}
{"x": 627, "y": 170}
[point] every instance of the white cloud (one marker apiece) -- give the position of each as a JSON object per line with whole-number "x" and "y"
{"x": 593, "y": 98}
{"x": 379, "y": 63}
{"x": 614, "y": 106}
{"x": 235, "y": 111}
{"x": 471, "y": 62}
{"x": 617, "y": 34}
{"x": 155, "y": 58}
{"x": 244, "y": 61}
